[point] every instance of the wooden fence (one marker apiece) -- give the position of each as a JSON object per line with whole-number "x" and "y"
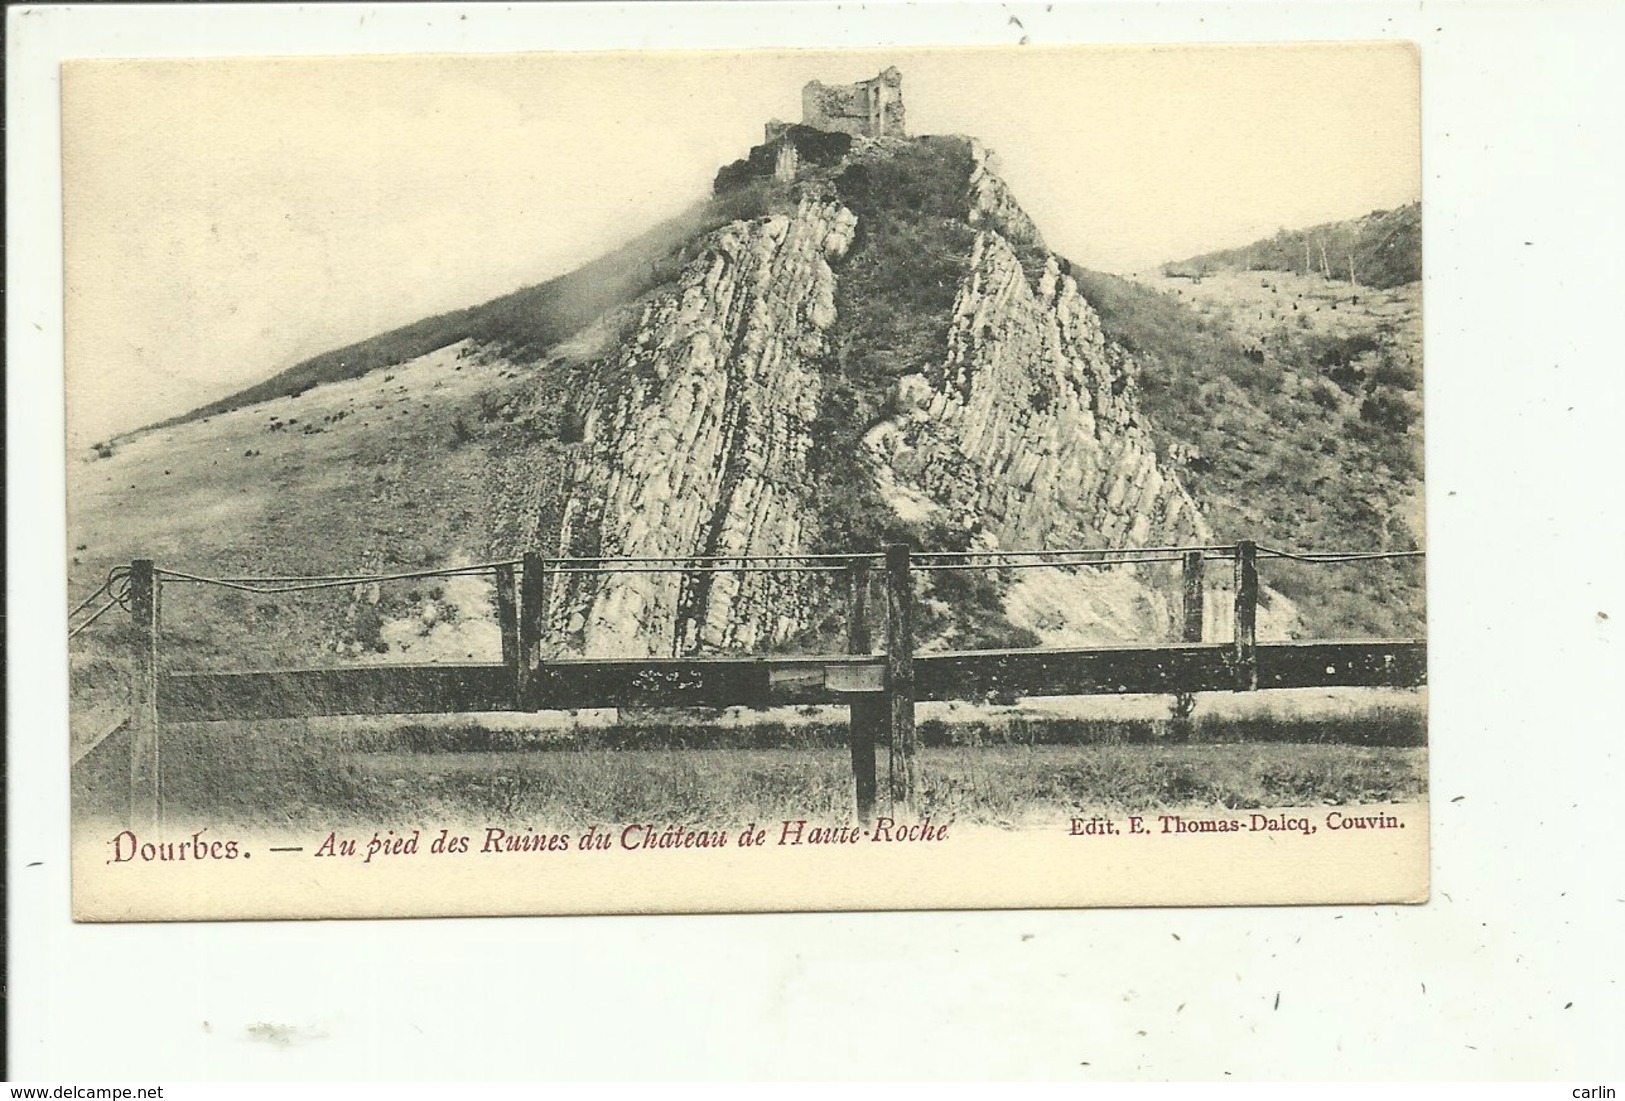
{"x": 880, "y": 688}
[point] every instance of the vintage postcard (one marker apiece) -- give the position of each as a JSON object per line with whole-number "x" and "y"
{"x": 664, "y": 482}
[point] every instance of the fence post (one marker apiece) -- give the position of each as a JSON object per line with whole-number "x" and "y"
{"x": 867, "y": 710}
{"x": 532, "y": 629}
{"x": 900, "y": 677}
{"x": 508, "y": 621}
{"x": 1246, "y": 642}
{"x": 146, "y": 792}
{"x": 1191, "y": 570}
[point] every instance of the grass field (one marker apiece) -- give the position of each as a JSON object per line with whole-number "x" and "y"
{"x": 1010, "y": 770}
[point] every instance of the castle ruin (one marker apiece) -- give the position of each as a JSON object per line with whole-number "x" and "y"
{"x": 869, "y": 109}
{"x": 833, "y": 116}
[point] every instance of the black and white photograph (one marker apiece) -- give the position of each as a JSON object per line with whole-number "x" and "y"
{"x": 674, "y": 482}
{"x": 771, "y": 542}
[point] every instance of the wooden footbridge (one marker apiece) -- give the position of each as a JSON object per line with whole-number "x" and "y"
{"x": 880, "y": 685}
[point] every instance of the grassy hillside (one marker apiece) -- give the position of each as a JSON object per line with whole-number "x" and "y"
{"x": 895, "y": 293}
{"x": 520, "y": 325}
{"x": 449, "y": 459}
{"x": 1301, "y": 429}
{"x": 1382, "y": 249}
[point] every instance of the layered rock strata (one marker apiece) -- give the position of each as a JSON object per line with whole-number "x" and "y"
{"x": 1026, "y": 434}
{"x": 701, "y": 449}
{"x": 1028, "y": 429}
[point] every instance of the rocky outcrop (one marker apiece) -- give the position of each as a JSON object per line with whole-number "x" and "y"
{"x": 1028, "y": 435}
{"x": 1024, "y": 434}
{"x": 699, "y": 447}
{"x": 993, "y": 206}
{"x": 1028, "y": 430}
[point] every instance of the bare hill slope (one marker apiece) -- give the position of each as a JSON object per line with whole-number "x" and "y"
{"x": 1379, "y": 250}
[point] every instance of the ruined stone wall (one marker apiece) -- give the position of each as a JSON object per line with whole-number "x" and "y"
{"x": 869, "y": 108}
{"x": 703, "y": 451}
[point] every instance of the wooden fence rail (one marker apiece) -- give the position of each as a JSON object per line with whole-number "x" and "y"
{"x": 880, "y": 689}
{"x": 974, "y": 675}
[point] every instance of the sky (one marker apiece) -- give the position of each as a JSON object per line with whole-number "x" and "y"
{"x": 225, "y": 219}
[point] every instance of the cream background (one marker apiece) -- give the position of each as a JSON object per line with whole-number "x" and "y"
{"x": 1522, "y": 109}
{"x": 972, "y": 868}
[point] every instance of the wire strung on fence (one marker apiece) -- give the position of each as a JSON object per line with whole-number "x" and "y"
{"x": 273, "y": 584}
{"x": 1336, "y": 557}
{"x": 1121, "y": 556}
{"x": 1097, "y": 557}
{"x": 614, "y": 567}
{"x": 1228, "y": 548}
{"x": 117, "y": 583}
{"x": 116, "y": 586}
{"x": 103, "y": 610}
{"x": 949, "y": 567}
